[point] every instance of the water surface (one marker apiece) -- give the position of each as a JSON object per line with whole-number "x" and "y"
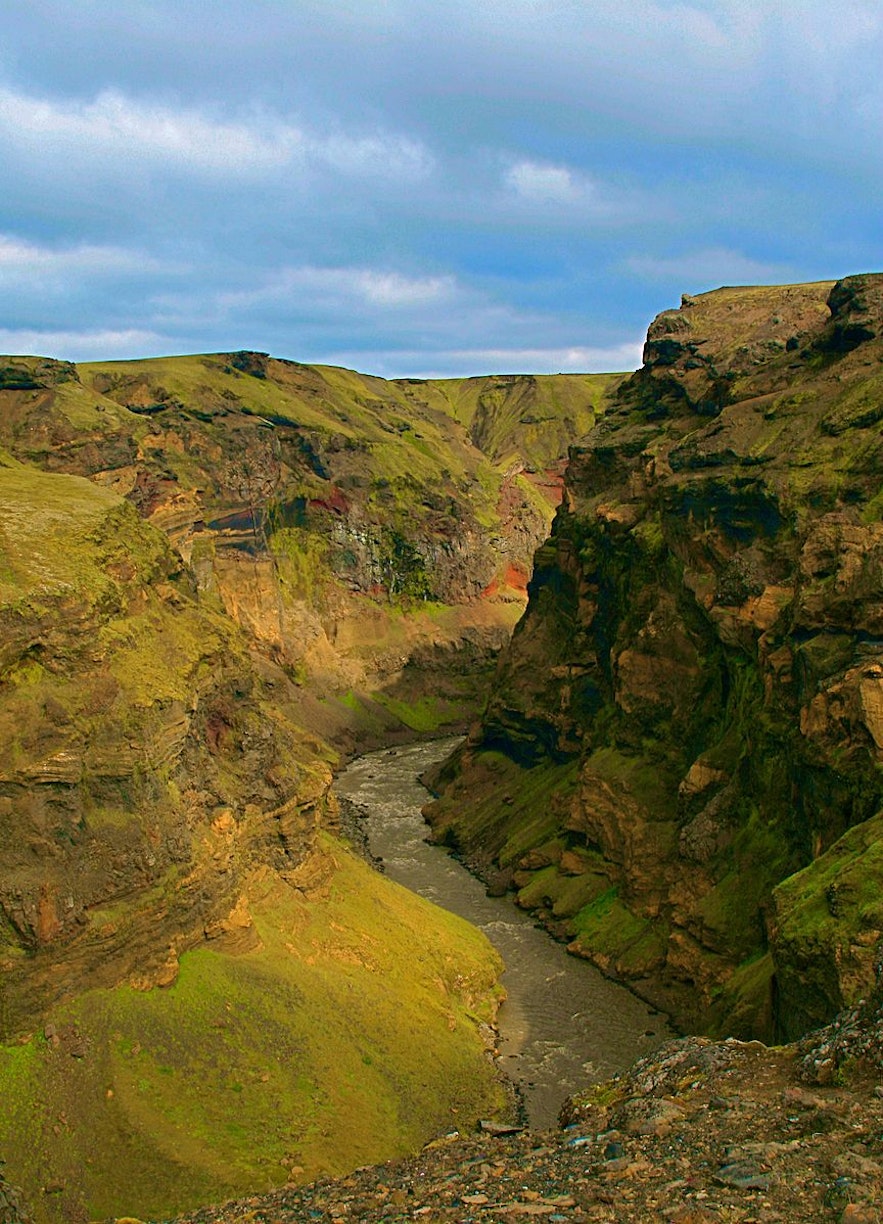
{"x": 563, "y": 1023}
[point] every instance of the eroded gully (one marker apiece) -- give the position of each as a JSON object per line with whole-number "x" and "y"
{"x": 563, "y": 1023}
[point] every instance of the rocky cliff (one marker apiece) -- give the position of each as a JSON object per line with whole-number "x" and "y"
{"x": 691, "y": 710}
{"x": 145, "y": 760}
{"x": 208, "y": 566}
{"x": 365, "y": 533}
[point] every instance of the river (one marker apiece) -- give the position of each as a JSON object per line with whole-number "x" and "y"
{"x": 563, "y": 1023}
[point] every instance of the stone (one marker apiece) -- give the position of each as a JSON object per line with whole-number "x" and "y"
{"x": 743, "y": 1175}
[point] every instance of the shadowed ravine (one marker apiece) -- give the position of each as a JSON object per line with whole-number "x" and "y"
{"x": 563, "y": 1024}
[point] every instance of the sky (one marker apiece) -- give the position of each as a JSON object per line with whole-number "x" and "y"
{"x": 416, "y": 189}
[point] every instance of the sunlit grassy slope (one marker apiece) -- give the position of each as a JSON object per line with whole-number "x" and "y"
{"x": 352, "y": 1035}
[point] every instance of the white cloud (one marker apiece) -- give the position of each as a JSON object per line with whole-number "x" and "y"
{"x": 548, "y": 189}
{"x": 132, "y": 130}
{"x": 379, "y": 154}
{"x": 708, "y": 268}
{"x": 338, "y": 287}
{"x": 384, "y": 288}
{"x": 113, "y": 123}
{"x": 97, "y": 345}
{"x": 23, "y": 261}
{"x": 538, "y": 181}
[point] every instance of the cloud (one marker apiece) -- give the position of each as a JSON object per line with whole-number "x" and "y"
{"x": 491, "y": 184}
{"x": 115, "y": 125}
{"x": 29, "y": 262}
{"x": 708, "y": 268}
{"x": 323, "y": 289}
{"x": 546, "y": 183}
{"x": 98, "y": 345}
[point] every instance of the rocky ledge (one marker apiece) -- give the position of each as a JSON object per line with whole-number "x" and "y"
{"x": 679, "y": 766}
{"x": 700, "y": 1132}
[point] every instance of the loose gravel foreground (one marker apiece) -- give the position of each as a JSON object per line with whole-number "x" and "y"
{"x": 699, "y": 1132}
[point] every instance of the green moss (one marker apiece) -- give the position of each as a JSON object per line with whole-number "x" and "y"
{"x": 47, "y": 524}
{"x": 303, "y": 561}
{"x": 649, "y": 533}
{"x": 509, "y": 809}
{"x": 608, "y": 928}
{"x": 533, "y": 816}
{"x": 565, "y": 895}
{"x": 357, "y": 1018}
{"x": 839, "y": 892}
{"x": 425, "y": 714}
{"x": 743, "y": 1008}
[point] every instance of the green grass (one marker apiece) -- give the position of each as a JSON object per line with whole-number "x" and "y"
{"x": 427, "y": 713}
{"x": 609, "y": 932}
{"x": 350, "y": 1037}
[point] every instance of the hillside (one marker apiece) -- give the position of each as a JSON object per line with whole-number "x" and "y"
{"x": 207, "y": 567}
{"x": 316, "y": 505}
{"x": 679, "y": 767}
{"x": 200, "y": 986}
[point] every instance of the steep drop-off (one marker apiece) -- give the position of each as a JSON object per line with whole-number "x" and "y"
{"x": 208, "y": 567}
{"x": 691, "y": 710}
{"x": 373, "y": 537}
{"x": 200, "y": 989}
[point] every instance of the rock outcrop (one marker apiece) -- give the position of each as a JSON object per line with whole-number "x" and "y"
{"x": 146, "y": 762}
{"x": 316, "y": 505}
{"x": 689, "y": 712}
{"x": 199, "y": 987}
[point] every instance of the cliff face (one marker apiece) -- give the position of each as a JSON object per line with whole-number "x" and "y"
{"x": 208, "y": 568}
{"x": 692, "y": 708}
{"x": 144, "y": 761}
{"x": 200, "y": 989}
{"x": 317, "y": 505}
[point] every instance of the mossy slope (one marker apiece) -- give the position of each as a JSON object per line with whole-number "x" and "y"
{"x": 166, "y": 884}
{"x": 703, "y": 638}
{"x": 349, "y": 1036}
{"x": 319, "y": 507}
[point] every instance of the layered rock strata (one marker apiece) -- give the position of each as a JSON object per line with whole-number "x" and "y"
{"x": 147, "y": 761}
{"x": 690, "y": 710}
{"x": 317, "y": 505}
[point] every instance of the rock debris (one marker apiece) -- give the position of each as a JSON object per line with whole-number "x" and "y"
{"x": 699, "y": 1132}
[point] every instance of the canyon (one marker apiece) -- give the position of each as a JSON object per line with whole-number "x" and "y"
{"x": 221, "y": 575}
{"x": 679, "y": 765}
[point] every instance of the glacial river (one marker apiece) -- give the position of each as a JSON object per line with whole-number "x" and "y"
{"x": 563, "y": 1024}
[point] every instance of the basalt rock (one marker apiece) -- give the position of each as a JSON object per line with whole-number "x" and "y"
{"x": 347, "y": 523}
{"x": 693, "y": 698}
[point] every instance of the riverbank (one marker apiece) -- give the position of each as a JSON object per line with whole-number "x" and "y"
{"x": 698, "y": 1133}
{"x": 563, "y": 1023}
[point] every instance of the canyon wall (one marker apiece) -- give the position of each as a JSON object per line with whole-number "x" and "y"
{"x": 210, "y": 568}
{"x": 374, "y": 538}
{"x": 679, "y": 766}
